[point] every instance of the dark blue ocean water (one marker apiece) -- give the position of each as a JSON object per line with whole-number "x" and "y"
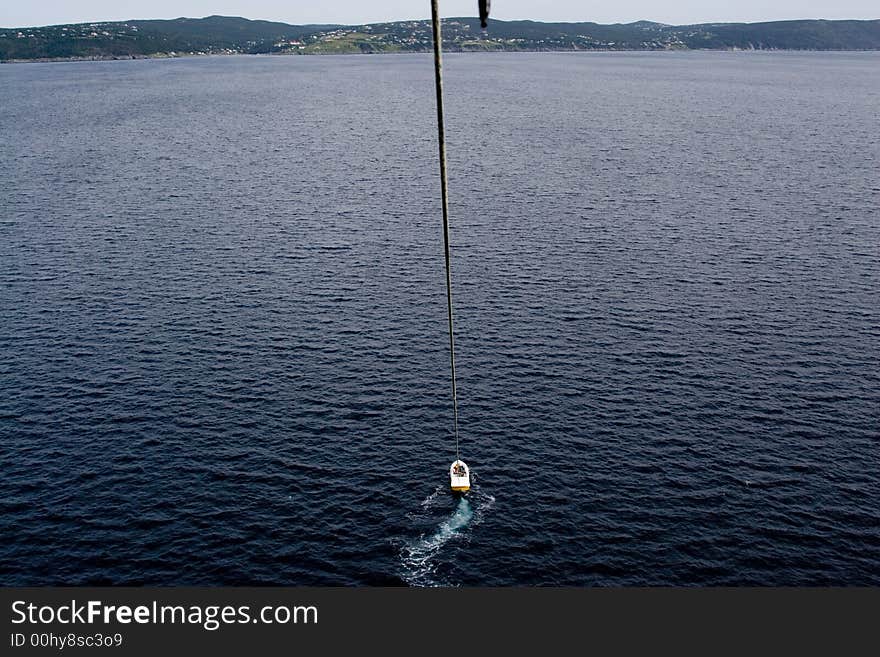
{"x": 222, "y": 321}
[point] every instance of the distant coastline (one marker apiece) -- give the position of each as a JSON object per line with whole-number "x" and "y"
{"x": 221, "y": 35}
{"x": 157, "y": 56}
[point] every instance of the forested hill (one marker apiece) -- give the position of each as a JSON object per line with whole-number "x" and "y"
{"x": 221, "y": 34}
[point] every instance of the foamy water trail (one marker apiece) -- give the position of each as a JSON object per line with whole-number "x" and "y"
{"x": 421, "y": 557}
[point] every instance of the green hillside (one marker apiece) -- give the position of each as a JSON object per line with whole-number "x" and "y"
{"x": 224, "y": 35}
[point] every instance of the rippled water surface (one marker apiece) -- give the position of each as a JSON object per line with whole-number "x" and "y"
{"x": 222, "y": 320}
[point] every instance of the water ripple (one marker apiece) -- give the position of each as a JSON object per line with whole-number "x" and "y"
{"x": 222, "y": 321}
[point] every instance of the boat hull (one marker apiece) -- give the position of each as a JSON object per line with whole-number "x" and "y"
{"x": 459, "y": 477}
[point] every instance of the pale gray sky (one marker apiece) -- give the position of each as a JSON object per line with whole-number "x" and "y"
{"x": 21, "y": 13}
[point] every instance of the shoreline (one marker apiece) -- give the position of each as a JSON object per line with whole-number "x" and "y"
{"x": 118, "y": 58}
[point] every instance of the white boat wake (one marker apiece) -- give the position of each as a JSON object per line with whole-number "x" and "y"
{"x": 419, "y": 558}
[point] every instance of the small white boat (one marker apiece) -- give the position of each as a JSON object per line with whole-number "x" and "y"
{"x": 460, "y": 477}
